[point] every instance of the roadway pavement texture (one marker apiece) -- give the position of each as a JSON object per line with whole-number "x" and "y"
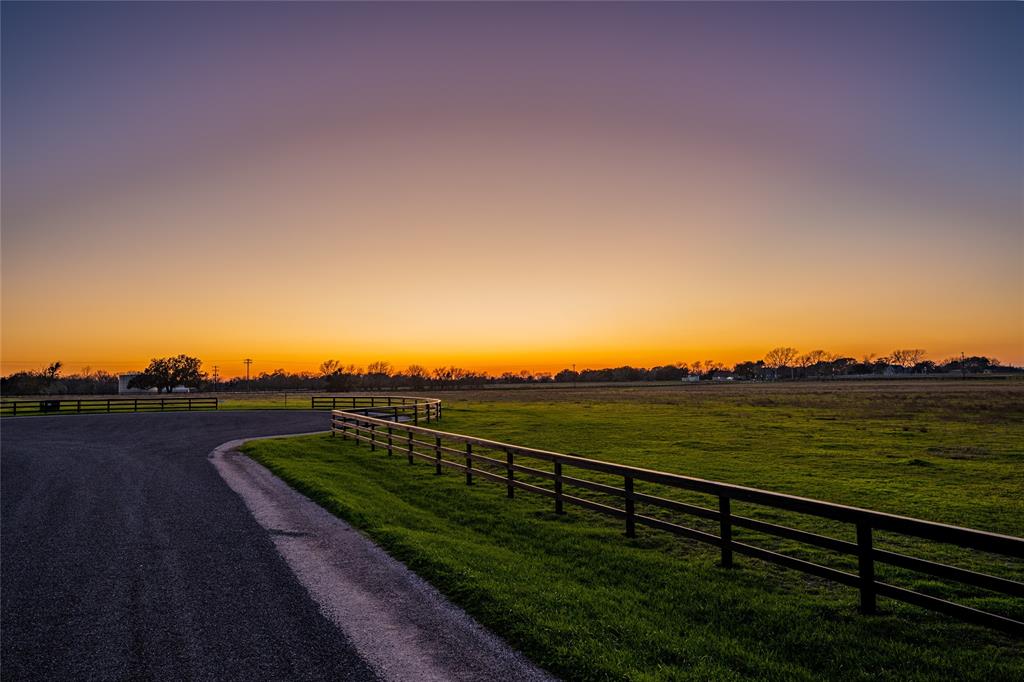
{"x": 133, "y": 546}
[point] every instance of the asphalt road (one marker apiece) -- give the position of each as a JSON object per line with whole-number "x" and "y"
{"x": 123, "y": 554}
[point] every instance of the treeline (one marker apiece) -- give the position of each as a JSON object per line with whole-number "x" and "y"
{"x": 51, "y": 381}
{"x": 779, "y": 364}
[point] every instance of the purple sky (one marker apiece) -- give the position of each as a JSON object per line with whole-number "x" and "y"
{"x": 890, "y": 133}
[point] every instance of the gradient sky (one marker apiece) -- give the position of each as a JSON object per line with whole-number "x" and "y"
{"x": 509, "y": 186}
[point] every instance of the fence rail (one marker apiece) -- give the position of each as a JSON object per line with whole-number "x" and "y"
{"x": 392, "y": 407}
{"x": 500, "y": 465}
{"x": 14, "y": 408}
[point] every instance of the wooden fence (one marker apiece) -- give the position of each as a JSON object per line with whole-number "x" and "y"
{"x": 394, "y": 407}
{"x": 14, "y": 408}
{"x": 503, "y": 461}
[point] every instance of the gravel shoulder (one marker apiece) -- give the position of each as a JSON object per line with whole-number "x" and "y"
{"x": 400, "y": 625}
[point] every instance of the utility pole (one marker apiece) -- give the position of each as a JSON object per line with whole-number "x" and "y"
{"x": 574, "y": 376}
{"x": 963, "y": 367}
{"x": 216, "y": 376}
{"x": 248, "y": 384}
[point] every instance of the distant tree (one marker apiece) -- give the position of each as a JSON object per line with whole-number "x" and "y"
{"x": 329, "y": 367}
{"x": 667, "y": 373}
{"x": 164, "y": 374}
{"x": 417, "y": 375}
{"x": 779, "y": 358}
{"x": 842, "y": 365}
{"x": 24, "y": 383}
{"x": 567, "y": 376}
{"x": 712, "y": 366}
{"x": 816, "y": 362}
{"x": 379, "y": 367}
{"x": 973, "y": 363}
{"x": 187, "y": 371}
{"x": 377, "y": 374}
{"x": 924, "y": 367}
{"x": 53, "y": 370}
{"x": 750, "y": 370}
{"x": 907, "y": 358}
{"x": 340, "y": 378}
{"x": 156, "y": 375}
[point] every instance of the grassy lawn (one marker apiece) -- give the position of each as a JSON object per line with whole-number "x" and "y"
{"x": 587, "y": 603}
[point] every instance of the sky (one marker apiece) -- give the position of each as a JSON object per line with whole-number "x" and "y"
{"x": 508, "y": 186}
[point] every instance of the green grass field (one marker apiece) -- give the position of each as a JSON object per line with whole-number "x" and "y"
{"x": 589, "y": 604}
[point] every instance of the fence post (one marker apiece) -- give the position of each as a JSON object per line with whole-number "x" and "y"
{"x": 511, "y": 474}
{"x": 725, "y": 526}
{"x": 135, "y": 407}
{"x": 415, "y": 413}
{"x": 108, "y": 405}
{"x": 630, "y": 509}
{"x": 79, "y": 408}
{"x": 469, "y": 464}
{"x": 559, "y": 506}
{"x": 866, "y": 566}
{"x": 389, "y": 440}
{"x": 373, "y": 437}
{"x": 437, "y": 455}
{"x": 410, "y": 447}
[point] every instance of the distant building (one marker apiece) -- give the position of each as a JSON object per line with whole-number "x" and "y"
{"x": 691, "y": 378}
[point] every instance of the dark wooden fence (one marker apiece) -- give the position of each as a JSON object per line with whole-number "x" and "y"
{"x": 500, "y": 466}
{"x": 394, "y": 407}
{"x": 14, "y": 408}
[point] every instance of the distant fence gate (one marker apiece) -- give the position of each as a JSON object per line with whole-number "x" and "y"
{"x": 14, "y": 408}
{"x": 395, "y": 432}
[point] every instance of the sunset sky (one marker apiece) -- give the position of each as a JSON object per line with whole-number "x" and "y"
{"x": 506, "y": 186}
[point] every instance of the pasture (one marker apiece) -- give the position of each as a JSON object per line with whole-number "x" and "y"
{"x": 588, "y": 603}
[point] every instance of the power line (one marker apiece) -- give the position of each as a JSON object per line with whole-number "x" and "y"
{"x": 248, "y": 384}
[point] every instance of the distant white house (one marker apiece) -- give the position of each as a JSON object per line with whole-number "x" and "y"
{"x": 691, "y": 378}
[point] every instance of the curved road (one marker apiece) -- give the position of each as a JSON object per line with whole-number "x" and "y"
{"x": 124, "y": 554}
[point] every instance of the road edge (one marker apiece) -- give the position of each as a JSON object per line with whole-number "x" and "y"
{"x": 402, "y": 626}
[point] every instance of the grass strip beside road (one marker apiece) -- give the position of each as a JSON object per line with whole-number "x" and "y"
{"x": 588, "y": 604}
